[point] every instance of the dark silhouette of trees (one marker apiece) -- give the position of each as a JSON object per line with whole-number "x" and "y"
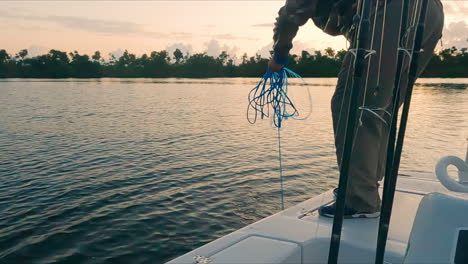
{"x": 82, "y": 67}
{"x": 54, "y": 64}
{"x": 22, "y": 54}
{"x": 4, "y": 57}
{"x": 254, "y": 66}
{"x": 97, "y": 56}
{"x": 178, "y": 55}
{"x": 448, "y": 63}
{"x": 159, "y": 64}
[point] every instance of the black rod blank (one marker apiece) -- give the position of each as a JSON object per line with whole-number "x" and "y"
{"x": 359, "y": 63}
{"x": 383, "y": 224}
{"x": 394, "y": 152}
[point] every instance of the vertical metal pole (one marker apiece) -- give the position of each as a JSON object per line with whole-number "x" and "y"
{"x": 359, "y": 63}
{"x": 394, "y": 152}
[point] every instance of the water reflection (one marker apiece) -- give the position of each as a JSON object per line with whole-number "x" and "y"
{"x": 143, "y": 170}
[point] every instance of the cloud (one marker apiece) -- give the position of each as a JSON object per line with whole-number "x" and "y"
{"x": 228, "y": 36}
{"x": 214, "y": 48}
{"x": 456, "y": 34}
{"x": 299, "y": 46}
{"x": 267, "y": 25}
{"x": 455, "y": 8}
{"x": 265, "y": 50}
{"x": 117, "y": 53}
{"x": 185, "y": 48}
{"x": 102, "y": 26}
{"x": 81, "y": 23}
{"x": 225, "y": 36}
{"x": 93, "y": 25}
{"x": 36, "y": 50}
{"x": 211, "y": 48}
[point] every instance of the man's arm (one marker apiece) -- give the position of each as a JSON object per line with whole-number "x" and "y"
{"x": 291, "y": 16}
{"x": 334, "y": 18}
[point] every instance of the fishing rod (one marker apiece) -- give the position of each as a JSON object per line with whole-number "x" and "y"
{"x": 359, "y": 63}
{"x": 383, "y": 228}
{"x": 394, "y": 152}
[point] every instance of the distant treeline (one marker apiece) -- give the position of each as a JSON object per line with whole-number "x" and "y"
{"x": 447, "y": 63}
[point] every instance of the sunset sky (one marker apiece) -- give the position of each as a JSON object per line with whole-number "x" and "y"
{"x": 194, "y": 26}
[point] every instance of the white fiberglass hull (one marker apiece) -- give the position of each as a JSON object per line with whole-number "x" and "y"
{"x": 299, "y": 235}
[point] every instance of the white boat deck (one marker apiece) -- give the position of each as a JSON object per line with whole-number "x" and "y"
{"x": 299, "y": 235}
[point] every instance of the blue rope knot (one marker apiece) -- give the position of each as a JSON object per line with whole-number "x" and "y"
{"x": 271, "y": 94}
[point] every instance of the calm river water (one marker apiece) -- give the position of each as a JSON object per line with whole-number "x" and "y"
{"x": 141, "y": 170}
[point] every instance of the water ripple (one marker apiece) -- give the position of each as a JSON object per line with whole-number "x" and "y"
{"x": 138, "y": 171}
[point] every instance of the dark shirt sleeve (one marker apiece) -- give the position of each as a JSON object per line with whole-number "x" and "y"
{"x": 291, "y": 16}
{"x": 295, "y": 13}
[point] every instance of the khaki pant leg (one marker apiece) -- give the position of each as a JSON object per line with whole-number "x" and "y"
{"x": 370, "y": 143}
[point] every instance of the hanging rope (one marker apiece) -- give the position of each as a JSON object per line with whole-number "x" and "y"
{"x": 270, "y": 99}
{"x": 271, "y": 94}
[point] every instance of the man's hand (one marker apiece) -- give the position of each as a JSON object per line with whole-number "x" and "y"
{"x": 273, "y": 66}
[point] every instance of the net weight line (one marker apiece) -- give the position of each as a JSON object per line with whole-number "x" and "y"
{"x": 271, "y": 94}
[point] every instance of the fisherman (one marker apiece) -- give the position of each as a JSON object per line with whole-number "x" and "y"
{"x": 335, "y": 18}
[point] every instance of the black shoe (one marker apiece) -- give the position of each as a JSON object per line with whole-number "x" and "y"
{"x": 329, "y": 211}
{"x": 335, "y": 193}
